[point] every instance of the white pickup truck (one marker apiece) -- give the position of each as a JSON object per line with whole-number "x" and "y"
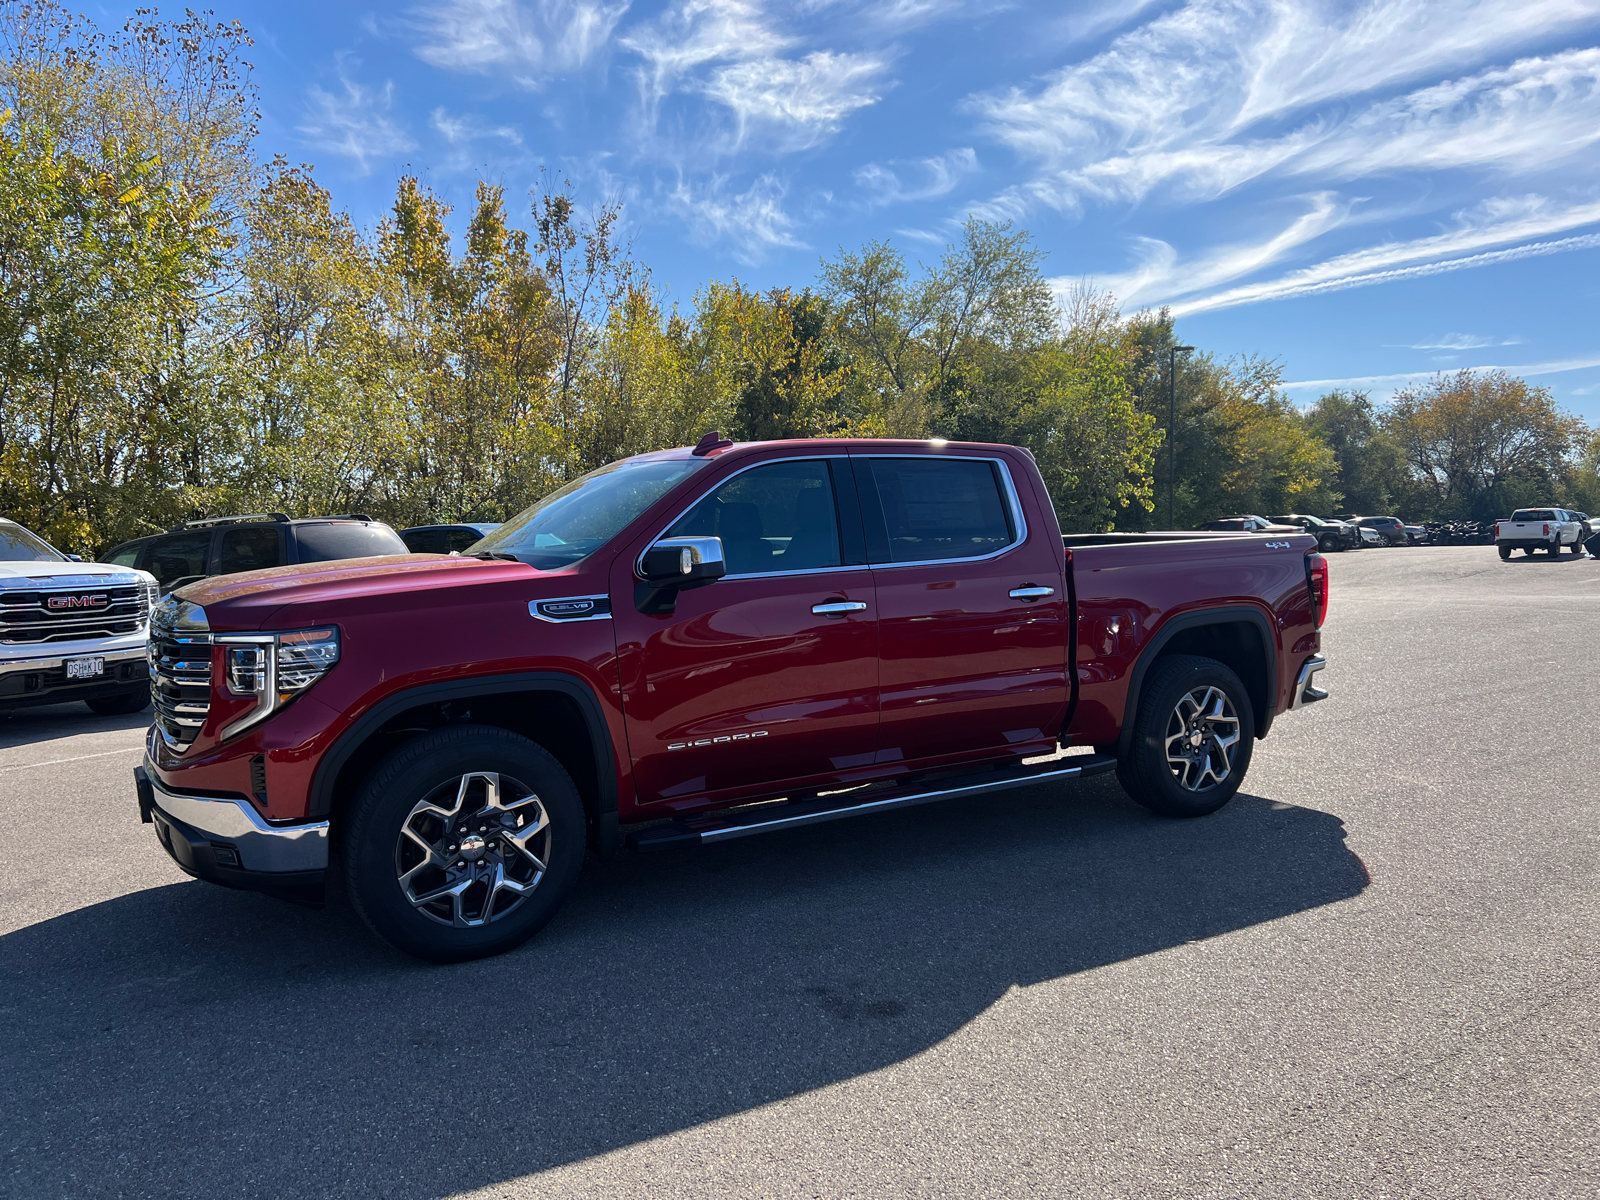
{"x": 1531, "y": 529}
{"x": 71, "y": 630}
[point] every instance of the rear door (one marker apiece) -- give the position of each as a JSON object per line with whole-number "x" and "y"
{"x": 770, "y": 674}
{"x": 180, "y": 558}
{"x": 971, "y": 609}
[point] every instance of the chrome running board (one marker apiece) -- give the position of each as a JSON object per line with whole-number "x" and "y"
{"x": 733, "y": 823}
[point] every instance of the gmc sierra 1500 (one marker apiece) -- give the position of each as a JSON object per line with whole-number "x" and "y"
{"x": 703, "y": 644}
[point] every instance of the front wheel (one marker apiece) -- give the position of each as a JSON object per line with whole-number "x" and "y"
{"x": 463, "y": 843}
{"x": 1192, "y": 738}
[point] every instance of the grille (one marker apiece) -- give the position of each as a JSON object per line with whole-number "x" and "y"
{"x": 180, "y": 683}
{"x": 35, "y": 615}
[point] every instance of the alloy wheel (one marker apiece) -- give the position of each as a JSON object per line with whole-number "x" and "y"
{"x": 1200, "y": 739}
{"x": 473, "y": 849}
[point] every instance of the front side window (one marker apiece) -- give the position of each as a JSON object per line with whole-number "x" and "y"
{"x": 124, "y": 556}
{"x": 779, "y": 517}
{"x": 937, "y": 508}
{"x": 248, "y": 550}
{"x": 179, "y": 559}
{"x": 574, "y": 521}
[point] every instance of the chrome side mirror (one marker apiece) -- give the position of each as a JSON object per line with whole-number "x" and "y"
{"x": 676, "y": 564}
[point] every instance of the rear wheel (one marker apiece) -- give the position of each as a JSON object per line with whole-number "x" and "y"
{"x": 463, "y": 843}
{"x": 1192, "y": 738}
{"x": 1505, "y": 553}
{"x": 124, "y": 705}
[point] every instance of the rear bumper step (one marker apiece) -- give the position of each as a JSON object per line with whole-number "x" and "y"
{"x": 769, "y": 818}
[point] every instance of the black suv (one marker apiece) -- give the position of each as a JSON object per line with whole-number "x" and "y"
{"x": 1330, "y": 535}
{"x": 226, "y": 545}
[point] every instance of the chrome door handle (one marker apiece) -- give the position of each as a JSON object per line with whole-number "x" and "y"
{"x": 1031, "y": 593}
{"x": 838, "y": 608}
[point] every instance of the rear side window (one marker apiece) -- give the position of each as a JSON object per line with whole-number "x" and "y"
{"x": 179, "y": 559}
{"x": 249, "y": 550}
{"x": 779, "y": 517}
{"x": 460, "y": 539}
{"x": 346, "y": 539}
{"x": 938, "y": 508}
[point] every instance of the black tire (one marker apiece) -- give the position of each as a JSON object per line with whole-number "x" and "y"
{"x": 1555, "y": 549}
{"x": 449, "y": 766}
{"x": 1146, "y": 773}
{"x": 1505, "y": 553}
{"x": 125, "y": 704}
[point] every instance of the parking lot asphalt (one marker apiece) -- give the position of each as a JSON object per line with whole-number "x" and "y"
{"x": 1373, "y": 974}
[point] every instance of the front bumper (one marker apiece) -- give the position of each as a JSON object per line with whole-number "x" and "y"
{"x": 223, "y": 840}
{"x": 43, "y": 679}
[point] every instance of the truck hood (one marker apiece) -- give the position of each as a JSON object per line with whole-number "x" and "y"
{"x": 66, "y": 574}
{"x": 249, "y": 600}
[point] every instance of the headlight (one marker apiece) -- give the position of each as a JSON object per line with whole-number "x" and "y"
{"x": 274, "y": 668}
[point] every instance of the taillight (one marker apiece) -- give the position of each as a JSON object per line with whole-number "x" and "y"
{"x": 1317, "y": 577}
{"x": 1547, "y": 531}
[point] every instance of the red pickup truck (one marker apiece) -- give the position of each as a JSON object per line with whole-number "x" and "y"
{"x": 700, "y": 645}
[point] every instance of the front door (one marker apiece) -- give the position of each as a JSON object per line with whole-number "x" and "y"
{"x": 971, "y": 611}
{"x": 769, "y": 675}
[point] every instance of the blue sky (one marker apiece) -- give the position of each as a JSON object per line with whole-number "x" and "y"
{"x": 1367, "y": 191}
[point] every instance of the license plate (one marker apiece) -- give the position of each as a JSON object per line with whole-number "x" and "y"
{"x": 85, "y": 668}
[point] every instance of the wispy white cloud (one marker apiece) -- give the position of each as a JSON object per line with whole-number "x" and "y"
{"x": 929, "y": 178}
{"x": 1405, "y": 377}
{"x": 1219, "y": 92}
{"x": 528, "y": 42}
{"x": 1461, "y": 341}
{"x": 733, "y": 53}
{"x": 462, "y": 129}
{"x": 355, "y": 121}
{"x": 753, "y": 222}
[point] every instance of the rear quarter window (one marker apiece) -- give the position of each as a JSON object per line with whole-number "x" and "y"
{"x": 345, "y": 539}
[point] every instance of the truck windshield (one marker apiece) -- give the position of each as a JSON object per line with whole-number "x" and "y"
{"x": 574, "y": 521}
{"x": 18, "y": 545}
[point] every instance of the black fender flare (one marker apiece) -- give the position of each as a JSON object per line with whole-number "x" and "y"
{"x": 324, "y": 778}
{"x": 1228, "y": 614}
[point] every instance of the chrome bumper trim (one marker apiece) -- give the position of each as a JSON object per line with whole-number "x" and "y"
{"x": 19, "y": 666}
{"x": 1304, "y": 691}
{"x": 261, "y": 847}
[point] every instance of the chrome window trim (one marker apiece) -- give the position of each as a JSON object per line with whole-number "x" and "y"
{"x": 1011, "y": 498}
{"x": 638, "y": 563}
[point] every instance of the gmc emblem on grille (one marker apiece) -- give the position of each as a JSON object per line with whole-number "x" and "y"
{"x": 58, "y": 603}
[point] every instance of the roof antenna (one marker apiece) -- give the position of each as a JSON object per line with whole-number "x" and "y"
{"x": 712, "y": 441}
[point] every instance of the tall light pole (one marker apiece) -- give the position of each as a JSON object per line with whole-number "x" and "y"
{"x": 1172, "y": 431}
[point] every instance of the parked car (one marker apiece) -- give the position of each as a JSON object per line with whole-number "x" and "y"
{"x": 69, "y": 629}
{"x": 1248, "y": 524}
{"x": 682, "y": 638}
{"x": 228, "y": 545}
{"x": 1530, "y": 529}
{"x": 1330, "y": 535}
{"x": 445, "y": 539}
{"x": 1417, "y": 535}
{"x": 1389, "y": 529}
{"x": 1371, "y": 537}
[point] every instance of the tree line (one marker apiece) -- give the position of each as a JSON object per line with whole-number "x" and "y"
{"x": 187, "y": 330}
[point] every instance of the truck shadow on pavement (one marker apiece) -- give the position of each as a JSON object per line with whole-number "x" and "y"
{"x": 189, "y": 1041}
